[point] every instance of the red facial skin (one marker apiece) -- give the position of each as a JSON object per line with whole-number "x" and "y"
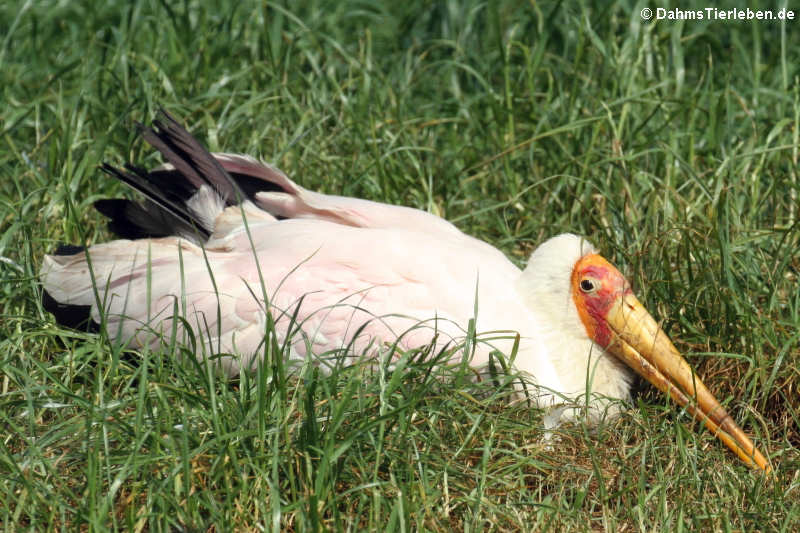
{"x": 610, "y": 285}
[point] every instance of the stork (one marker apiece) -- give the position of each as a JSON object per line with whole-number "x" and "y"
{"x": 225, "y": 244}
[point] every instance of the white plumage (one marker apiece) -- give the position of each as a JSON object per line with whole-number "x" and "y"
{"x": 353, "y": 273}
{"x": 223, "y": 242}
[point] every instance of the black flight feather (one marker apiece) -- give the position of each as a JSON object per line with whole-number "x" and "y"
{"x": 72, "y": 316}
{"x": 190, "y": 157}
{"x": 167, "y": 190}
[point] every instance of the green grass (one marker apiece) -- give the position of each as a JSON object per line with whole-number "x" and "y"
{"x": 672, "y": 145}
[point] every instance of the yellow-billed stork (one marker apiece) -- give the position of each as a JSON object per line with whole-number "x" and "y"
{"x": 219, "y": 234}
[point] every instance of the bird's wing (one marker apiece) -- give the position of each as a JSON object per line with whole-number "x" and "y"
{"x": 328, "y": 285}
{"x": 284, "y": 198}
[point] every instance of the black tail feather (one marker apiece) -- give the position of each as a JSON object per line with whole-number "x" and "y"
{"x": 167, "y": 190}
{"x": 173, "y": 208}
{"x": 190, "y": 157}
{"x": 133, "y": 220}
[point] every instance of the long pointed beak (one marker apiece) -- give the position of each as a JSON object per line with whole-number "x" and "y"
{"x": 644, "y": 346}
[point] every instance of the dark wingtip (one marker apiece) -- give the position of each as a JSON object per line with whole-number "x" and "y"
{"x": 119, "y": 223}
{"x": 68, "y": 249}
{"x": 71, "y": 316}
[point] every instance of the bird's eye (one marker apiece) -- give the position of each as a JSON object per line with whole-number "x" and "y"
{"x": 588, "y": 285}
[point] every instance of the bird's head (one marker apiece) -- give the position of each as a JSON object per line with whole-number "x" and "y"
{"x": 615, "y": 320}
{"x": 596, "y": 285}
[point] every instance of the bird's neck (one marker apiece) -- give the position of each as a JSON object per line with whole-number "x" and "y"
{"x": 578, "y": 362}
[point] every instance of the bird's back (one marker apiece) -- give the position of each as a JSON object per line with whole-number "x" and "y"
{"x": 220, "y": 234}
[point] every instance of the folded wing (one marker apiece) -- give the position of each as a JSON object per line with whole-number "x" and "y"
{"x": 220, "y": 240}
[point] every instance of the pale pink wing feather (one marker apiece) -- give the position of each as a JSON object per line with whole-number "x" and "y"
{"x": 297, "y": 202}
{"x": 377, "y": 282}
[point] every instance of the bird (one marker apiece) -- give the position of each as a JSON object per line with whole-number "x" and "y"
{"x": 223, "y": 245}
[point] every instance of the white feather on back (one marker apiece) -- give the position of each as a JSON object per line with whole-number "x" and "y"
{"x": 206, "y": 205}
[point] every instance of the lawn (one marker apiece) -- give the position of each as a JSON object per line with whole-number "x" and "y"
{"x": 672, "y": 145}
